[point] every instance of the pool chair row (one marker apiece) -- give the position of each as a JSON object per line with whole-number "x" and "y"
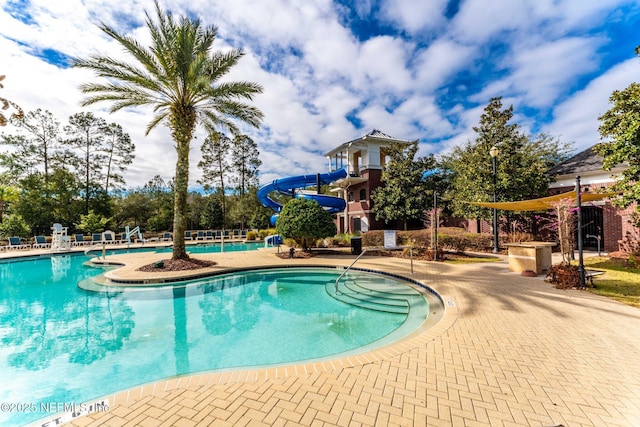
{"x": 40, "y": 242}
{"x": 15, "y": 243}
{"x": 110, "y": 238}
{"x": 215, "y": 234}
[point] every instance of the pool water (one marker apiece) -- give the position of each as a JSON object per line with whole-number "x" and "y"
{"x": 61, "y": 343}
{"x": 199, "y": 248}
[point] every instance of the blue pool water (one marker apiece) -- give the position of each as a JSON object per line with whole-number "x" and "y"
{"x": 60, "y": 343}
{"x": 200, "y": 248}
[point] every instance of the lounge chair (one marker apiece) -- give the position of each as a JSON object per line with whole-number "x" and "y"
{"x": 218, "y": 234}
{"x": 109, "y": 238}
{"x": 226, "y": 234}
{"x": 166, "y": 237}
{"x": 96, "y": 238}
{"x": 236, "y": 234}
{"x": 209, "y": 235}
{"x": 200, "y": 235}
{"x": 124, "y": 239}
{"x": 243, "y": 233}
{"x": 41, "y": 242}
{"x": 187, "y": 235}
{"x": 16, "y": 243}
{"x": 79, "y": 240}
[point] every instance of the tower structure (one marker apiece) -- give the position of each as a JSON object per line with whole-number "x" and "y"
{"x": 364, "y": 159}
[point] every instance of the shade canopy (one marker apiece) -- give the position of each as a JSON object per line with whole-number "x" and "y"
{"x": 544, "y": 203}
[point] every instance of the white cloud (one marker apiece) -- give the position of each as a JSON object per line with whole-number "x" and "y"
{"x": 480, "y": 20}
{"x": 542, "y": 72}
{"x": 576, "y": 119}
{"x": 414, "y": 16}
{"x": 439, "y": 62}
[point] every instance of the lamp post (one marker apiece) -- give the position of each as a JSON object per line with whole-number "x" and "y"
{"x": 493, "y": 152}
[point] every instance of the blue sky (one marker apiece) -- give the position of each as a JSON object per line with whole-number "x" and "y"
{"x": 334, "y": 70}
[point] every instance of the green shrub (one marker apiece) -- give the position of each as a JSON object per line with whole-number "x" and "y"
{"x": 266, "y": 232}
{"x": 455, "y": 243}
{"x": 251, "y": 235}
{"x": 519, "y": 237}
{"x": 449, "y": 238}
{"x": 291, "y": 242}
{"x": 373, "y": 238}
{"x": 306, "y": 221}
{"x": 14, "y": 225}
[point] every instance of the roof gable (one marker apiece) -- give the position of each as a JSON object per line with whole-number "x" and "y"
{"x": 584, "y": 161}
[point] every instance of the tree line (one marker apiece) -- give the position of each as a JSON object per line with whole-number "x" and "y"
{"x": 74, "y": 174}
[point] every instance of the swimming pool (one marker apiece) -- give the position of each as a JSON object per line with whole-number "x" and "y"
{"x": 64, "y": 344}
{"x": 193, "y": 248}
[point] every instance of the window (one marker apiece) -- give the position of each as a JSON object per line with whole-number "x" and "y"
{"x": 351, "y": 196}
{"x": 363, "y": 194}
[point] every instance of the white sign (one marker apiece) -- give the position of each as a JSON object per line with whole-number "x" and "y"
{"x": 389, "y": 238}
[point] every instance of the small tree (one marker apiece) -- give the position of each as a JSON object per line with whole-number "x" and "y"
{"x": 565, "y": 224}
{"x": 92, "y": 223}
{"x": 620, "y": 136}
{"x": 261, "y": 218}
{"x": 304, "y": 221}
{"x": 403, "y": 193}
{"x": 14, "y": 225}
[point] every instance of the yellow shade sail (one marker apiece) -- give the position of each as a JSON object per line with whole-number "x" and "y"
{"x": 544, "y": 203}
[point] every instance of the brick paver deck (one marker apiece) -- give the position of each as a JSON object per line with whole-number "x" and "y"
{"x": 510, "y": 351}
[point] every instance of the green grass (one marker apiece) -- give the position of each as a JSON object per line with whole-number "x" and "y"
{"x": 470, "y": 259}
{"x": 620, "y": 281}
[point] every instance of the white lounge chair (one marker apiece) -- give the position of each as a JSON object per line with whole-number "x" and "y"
{"x": 16, "y": 243}
{"x": 41, "y": 242}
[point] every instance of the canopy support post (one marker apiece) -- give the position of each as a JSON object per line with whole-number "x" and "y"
{"x": 581, "y": 275}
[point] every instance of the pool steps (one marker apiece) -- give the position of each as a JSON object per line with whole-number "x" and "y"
{"x": 374, "y": 296}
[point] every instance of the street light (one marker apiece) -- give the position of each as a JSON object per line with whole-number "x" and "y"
{"x": 493, "y": 152}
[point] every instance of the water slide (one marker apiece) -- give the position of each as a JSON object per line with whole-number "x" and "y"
{"x": 288, "y": 185}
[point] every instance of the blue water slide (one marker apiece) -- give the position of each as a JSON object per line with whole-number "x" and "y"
{"x": 288, "y": 184}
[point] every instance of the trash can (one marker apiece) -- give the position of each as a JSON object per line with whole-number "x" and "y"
{"x": 356, "y": 245}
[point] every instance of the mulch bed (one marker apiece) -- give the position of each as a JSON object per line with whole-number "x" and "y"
{"x": 296, "y": 254}
{"x": 176, "y": 265}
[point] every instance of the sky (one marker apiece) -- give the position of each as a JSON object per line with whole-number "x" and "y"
{"x": 333, "y": 70}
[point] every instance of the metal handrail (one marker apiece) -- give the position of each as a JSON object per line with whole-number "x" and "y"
{"x": 97, "y": 246}
{"x": 372, "y": 249}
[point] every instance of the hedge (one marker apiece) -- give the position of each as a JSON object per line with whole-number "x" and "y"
{"x": 449, "y": 238}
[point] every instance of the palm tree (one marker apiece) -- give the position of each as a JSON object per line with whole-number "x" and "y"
{"x": 178, "y": 76}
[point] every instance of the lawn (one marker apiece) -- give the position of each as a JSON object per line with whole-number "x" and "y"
{"x": 620, "y": 281}
{"x": 468, "y": 259}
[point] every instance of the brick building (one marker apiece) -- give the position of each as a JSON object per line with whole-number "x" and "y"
{"x": 604, "y": 226}
{"x": 600, "y": 219}
{"x": 365, "y": 158}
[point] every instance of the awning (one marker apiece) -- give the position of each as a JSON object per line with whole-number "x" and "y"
{"x": 544, "y": 203}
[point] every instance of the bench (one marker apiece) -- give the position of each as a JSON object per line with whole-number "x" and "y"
{"x": 590, "y": 274}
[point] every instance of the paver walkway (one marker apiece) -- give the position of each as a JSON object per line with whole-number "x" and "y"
{"x": 515, "y": 352}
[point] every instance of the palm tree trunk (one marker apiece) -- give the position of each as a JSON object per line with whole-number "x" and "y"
{"x": 183, "y": 124}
